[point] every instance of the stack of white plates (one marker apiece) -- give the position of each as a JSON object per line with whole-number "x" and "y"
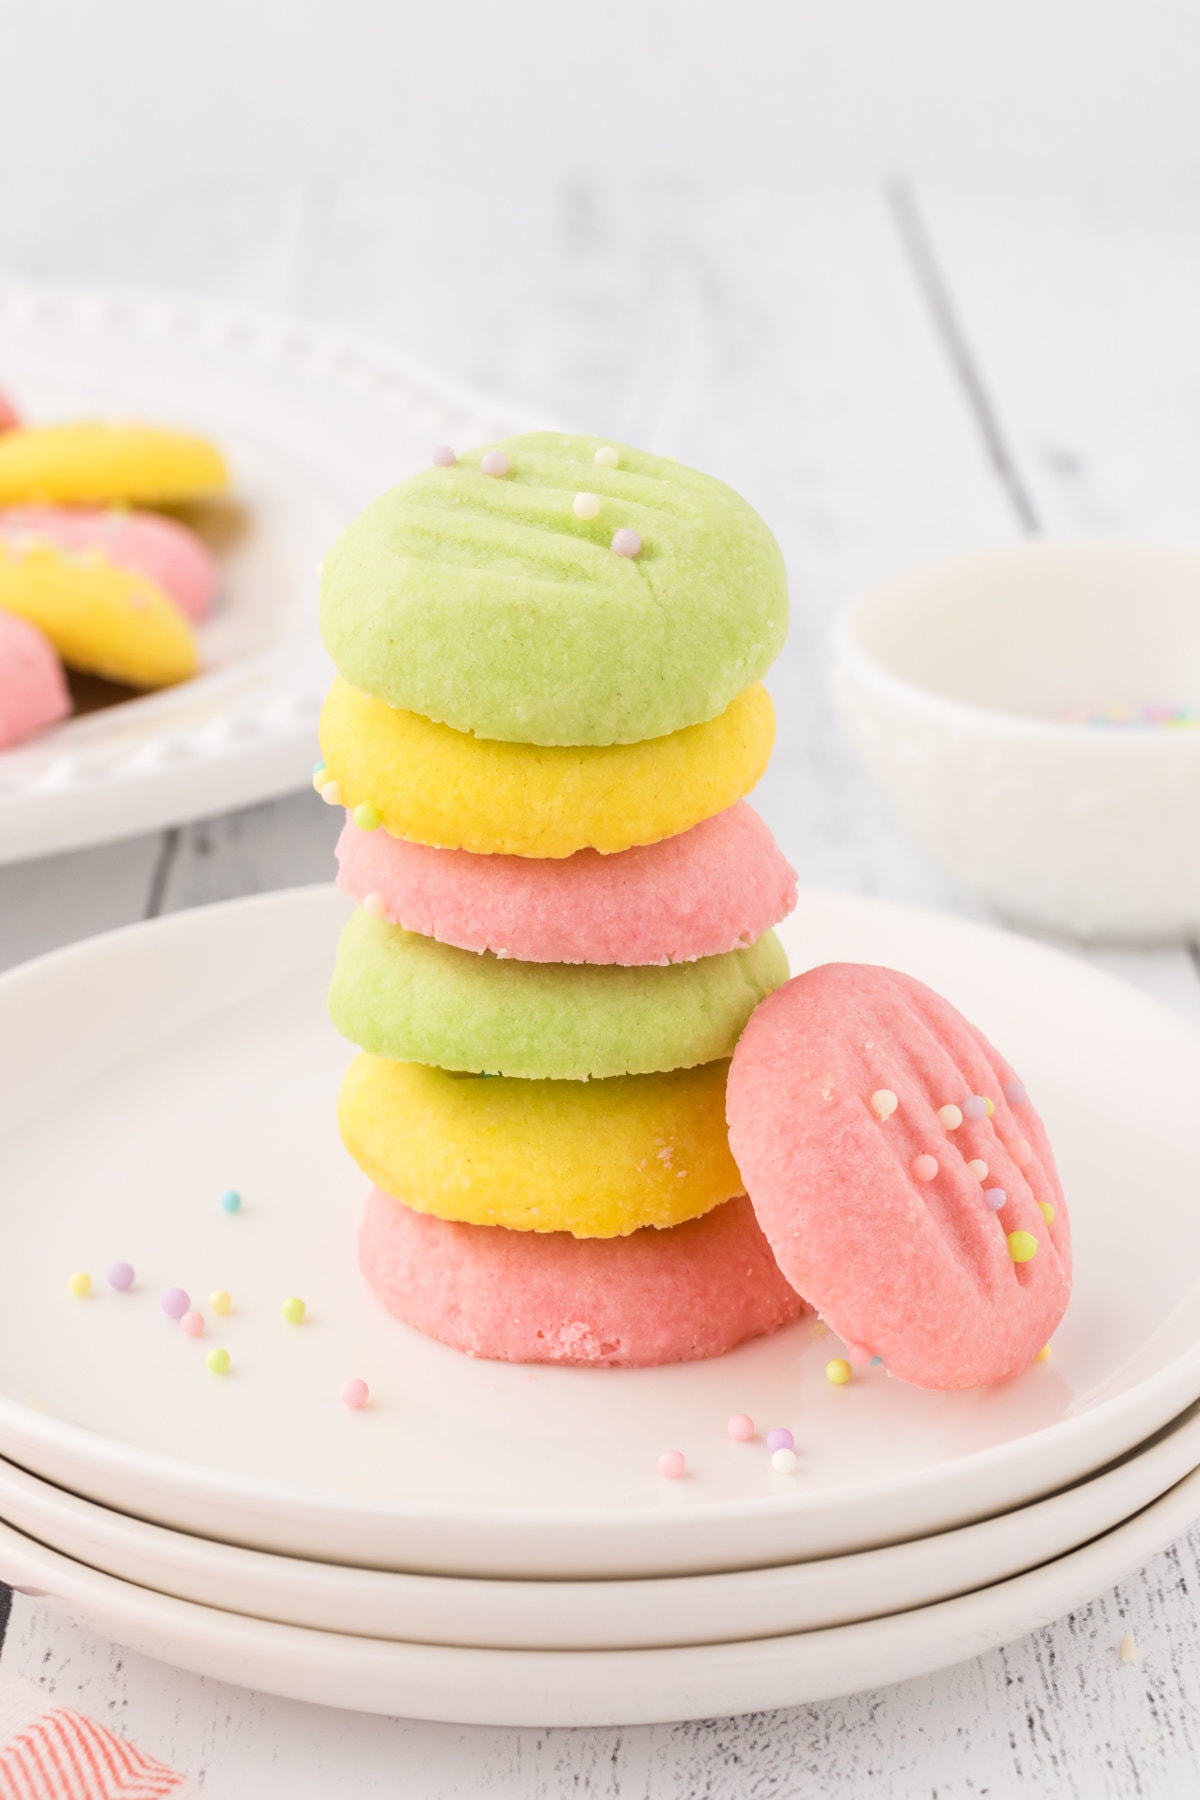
{"x": 493, "y": 1544}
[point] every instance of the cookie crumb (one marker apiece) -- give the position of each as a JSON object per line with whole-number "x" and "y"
{"x": 1128, "y": 1648}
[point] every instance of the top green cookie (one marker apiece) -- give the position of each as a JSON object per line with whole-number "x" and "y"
{"x": 487, "y": 603}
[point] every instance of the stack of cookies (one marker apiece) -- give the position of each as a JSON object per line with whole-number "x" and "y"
{"x": 546, "y": 716}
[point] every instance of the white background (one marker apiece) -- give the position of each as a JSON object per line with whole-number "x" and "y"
{"x": 913, "y": 275}
{"x": 107, "y": 100}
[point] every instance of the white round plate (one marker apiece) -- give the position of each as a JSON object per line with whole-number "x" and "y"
{"x": 145, "y": 1072}
{"x": 588, "y": 1687}
{"x": 598, "y": 1615}
{"x": 315, "y": 423}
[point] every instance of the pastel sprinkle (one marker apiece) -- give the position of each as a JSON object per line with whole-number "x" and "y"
{"x": 876, "y": 1362}
{"x": 175, "y": 1303}
{"x": 607, "y": 457}
{"x": 586, "y": 506}
{"x": 974, "y": 1107}
{"x": 925, "y": 1167}
{"x": 367, "y": 817}
{"x": 1127, "y": 1649}
{"x": 443, "y": 457}
{"x": 320, "y": 776}
{"x": 293, "y": 1311}
{"x": 858, "y": 1356}
{"x": 1014, "y": 1093}
{"x": 120, "y": 1276}
{"x": 1046, "y": 1208}
{"x": 231, "y": 1201}
{"x": 355, "y": 1393}
{"x": 626, "y": 542}
{"x": 995, "y": 1198}
{"x": 220, "y": 1301}
{"x": 494, "y": 462}
{"x": 783, "y": 1461}
{"x": 883, "y": 1103}
{"x": 80, "y": 1283}
{"x": 672, "y": 1464}
{"x": 951, "y": 1117}
{"x": 780, "y": 1438}
{"x": 741, "y": 1428}
{"x": 375, "y": 906}
{"x": 1021, "y": 1152}
{"x": 218, "y": 1361}
{"x": 1022, "y": 1246}
{"x": 331, "y": 793}
{"x": 318, "y": 769}
{"x": 1043, "y": 1354}
{"x": 978, "y": 1168}
{"x": 193, "y": 1324}
{"x": 990, "y": 1106}
{"x": 838, "y": 1371}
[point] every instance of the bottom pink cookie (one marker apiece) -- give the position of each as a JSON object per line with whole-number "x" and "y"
{"x": 654, "y": 1297}
{"x": 33, "y": 689}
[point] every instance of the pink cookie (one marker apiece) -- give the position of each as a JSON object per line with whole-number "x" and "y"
{"x": 168, "y": 553}
{"x": 953, "y": 1275}
{"x": 10, "y": 418}
{"x": 711, "y": 889}
{"x": 693, "y": 1291}
{"x": 33, "y": 689}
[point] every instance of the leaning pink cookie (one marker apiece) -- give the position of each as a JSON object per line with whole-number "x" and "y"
{"x": 711, "y": 889}
{"x": 168, "y": 553}
{"x": 901, "y": 1176}
{"x": 693, "y": 1291}
{"x": 33, "y": 690}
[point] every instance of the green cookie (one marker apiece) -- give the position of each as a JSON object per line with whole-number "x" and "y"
{"x": 415, "y": 1000}
{"x": 486, "y": 603}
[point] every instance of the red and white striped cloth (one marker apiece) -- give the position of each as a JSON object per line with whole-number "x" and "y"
{"x": 50, "y": 1752}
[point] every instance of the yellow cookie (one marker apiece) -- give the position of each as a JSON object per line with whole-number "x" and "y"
{"x": 103, "y": 619}
{"x": 447, "y": 788}
{"x": 596, "y": 1158}
{"x": 93, "y": 463}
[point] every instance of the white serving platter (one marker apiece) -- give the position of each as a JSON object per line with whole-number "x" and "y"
{"x": 143, "y": 1073}
{"x": 315, "y": 423}
{"x": 598, "y": 1615}
{"x": 588, "y": 1687}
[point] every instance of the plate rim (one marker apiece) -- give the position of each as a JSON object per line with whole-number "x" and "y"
{"x": 919, "y": 1640}
{"x": 45, "y": 1504}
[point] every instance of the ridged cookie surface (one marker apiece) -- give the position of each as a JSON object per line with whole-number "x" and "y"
{"x": 486, "y": 602}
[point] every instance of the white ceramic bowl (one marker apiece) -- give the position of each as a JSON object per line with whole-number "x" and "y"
{"x": 952, "y": 682}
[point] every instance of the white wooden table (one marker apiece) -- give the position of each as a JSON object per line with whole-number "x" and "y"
{"x": 885, "y": 374}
